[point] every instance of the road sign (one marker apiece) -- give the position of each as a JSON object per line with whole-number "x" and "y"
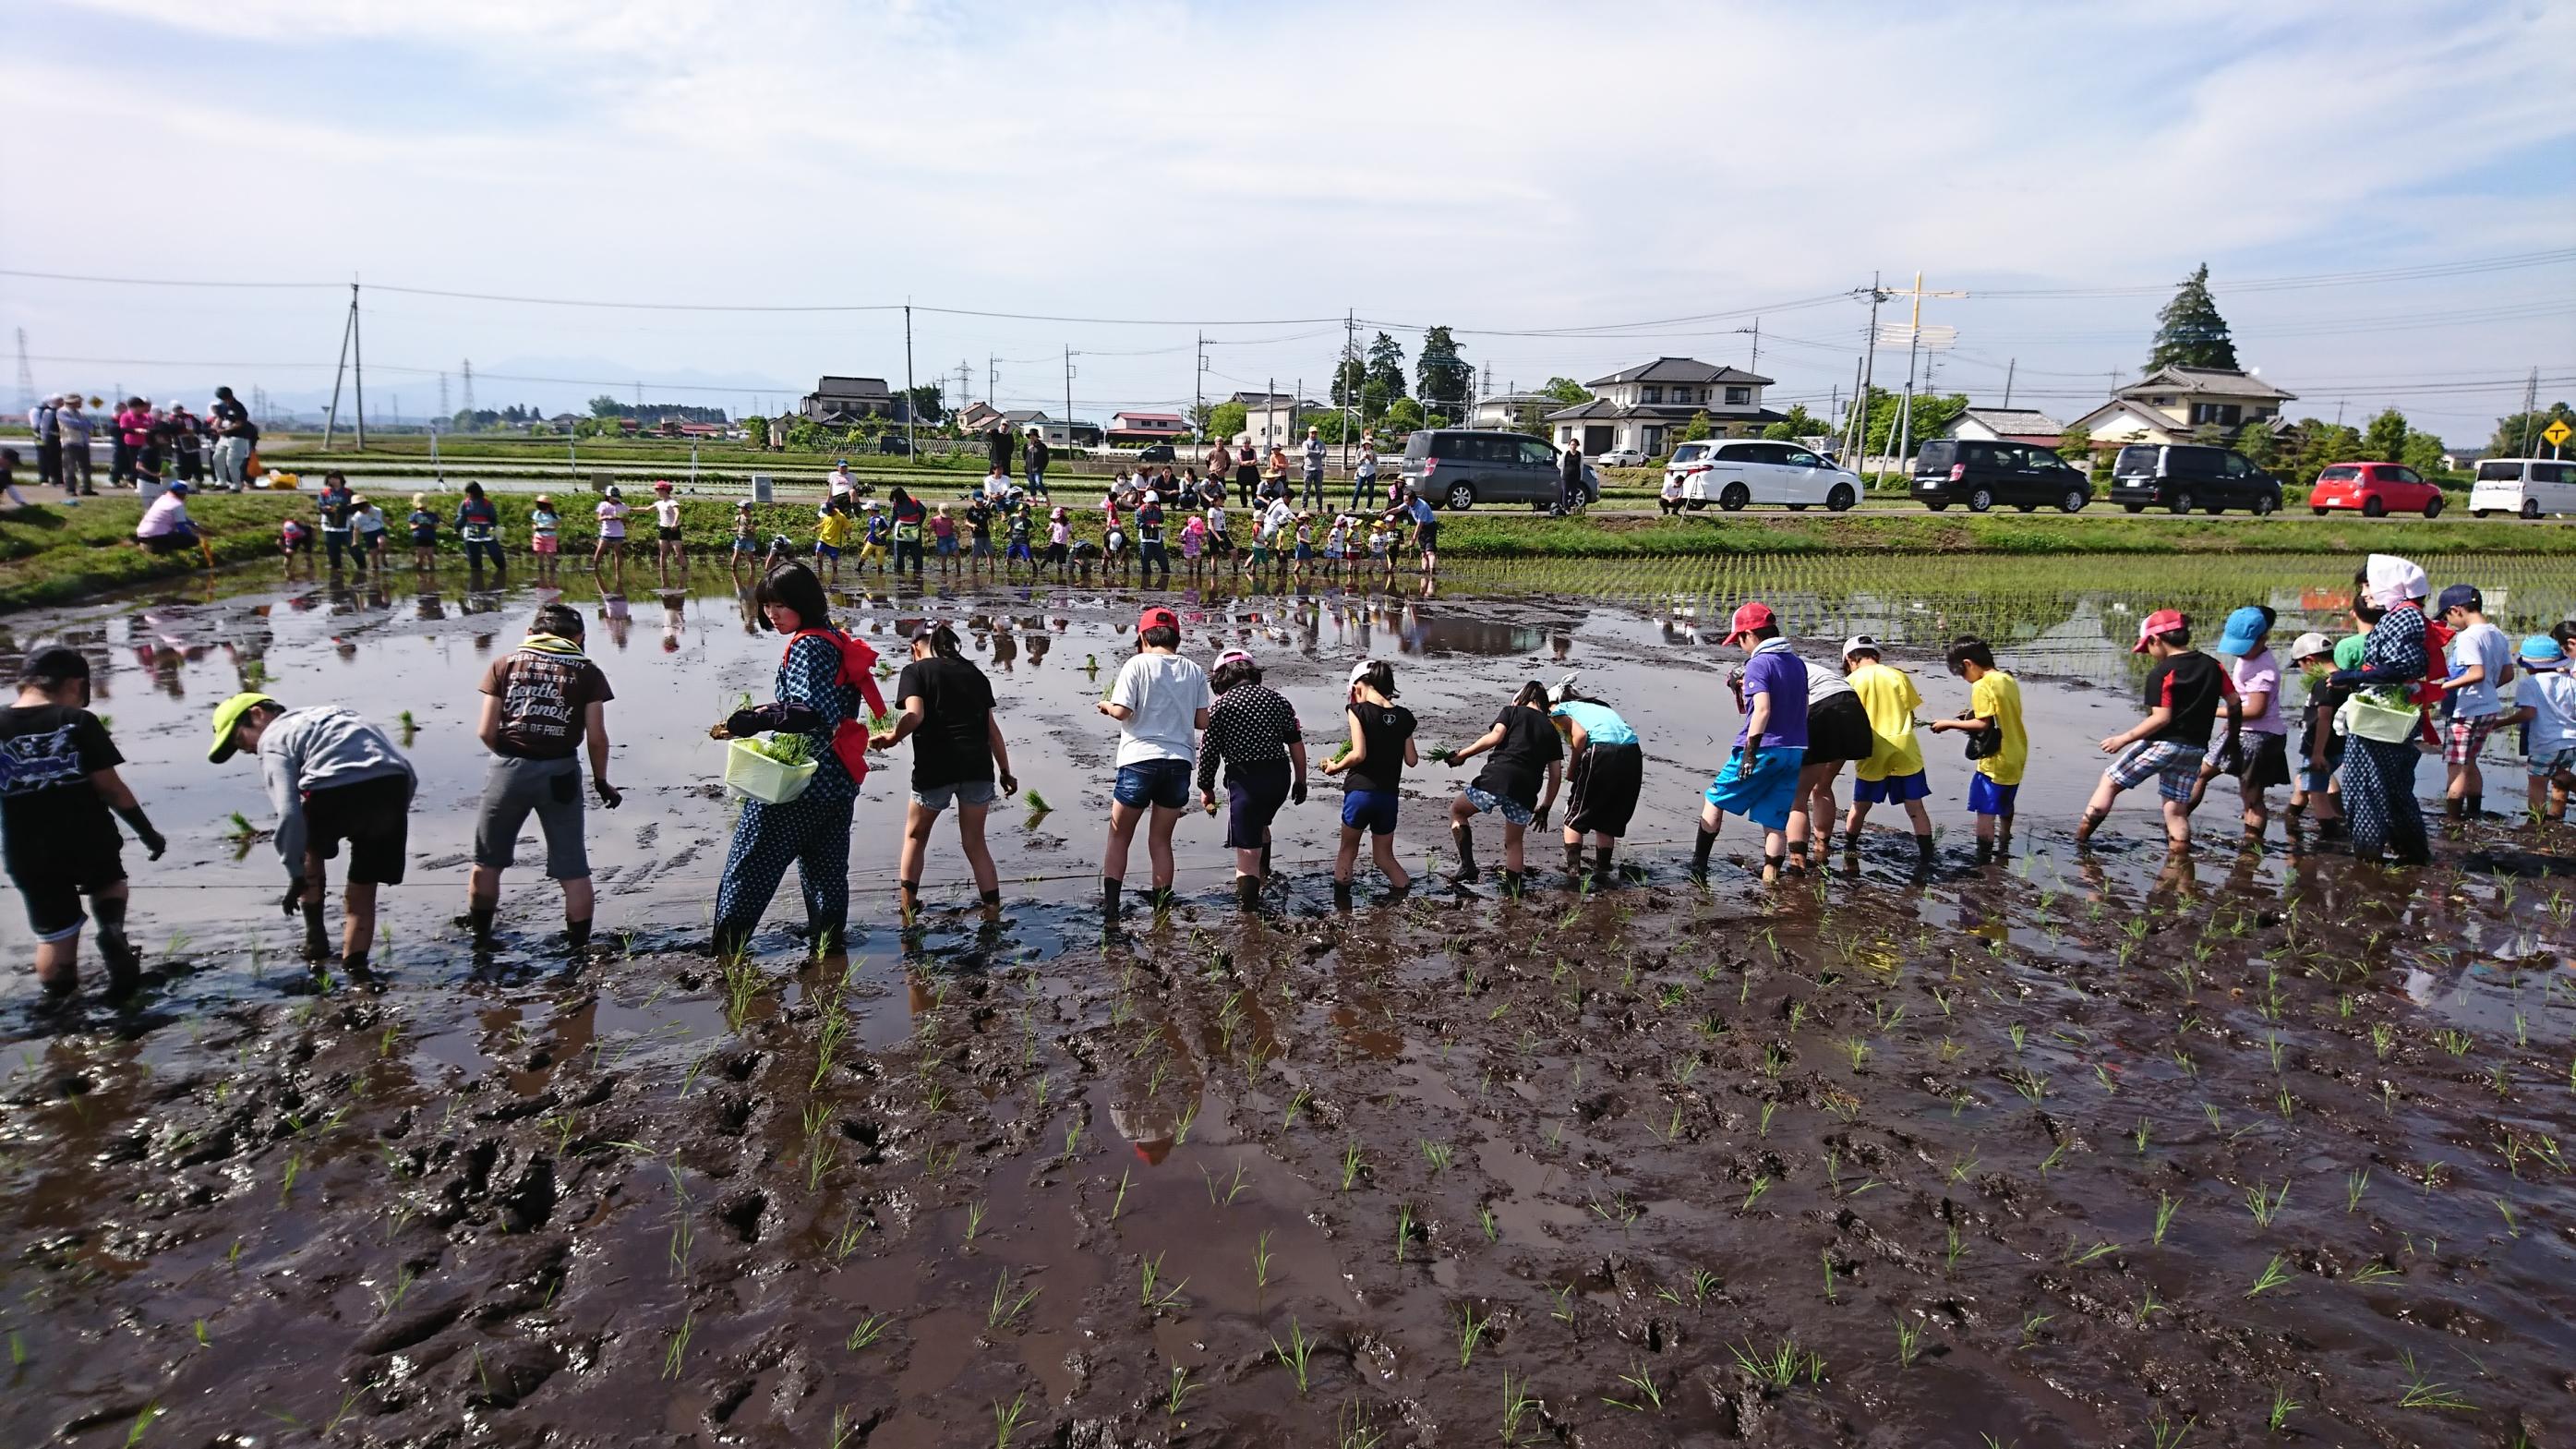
{"x": 2555, "y": 434}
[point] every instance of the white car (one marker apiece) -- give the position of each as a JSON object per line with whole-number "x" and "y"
{"x": 1622, "y": 458}
{"x": 2524, "y": 487}
{"x": 1734, "y": 472}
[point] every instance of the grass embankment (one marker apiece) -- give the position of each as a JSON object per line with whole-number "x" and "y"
{"x": 52, "y": 554}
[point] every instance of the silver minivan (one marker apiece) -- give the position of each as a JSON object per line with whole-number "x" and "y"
{"x": 1461, "y": 467}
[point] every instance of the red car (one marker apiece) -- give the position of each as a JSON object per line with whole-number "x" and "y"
{"x": 2377, "y": 489}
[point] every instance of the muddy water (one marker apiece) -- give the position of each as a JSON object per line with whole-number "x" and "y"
{"x": 1589, "y": 1154}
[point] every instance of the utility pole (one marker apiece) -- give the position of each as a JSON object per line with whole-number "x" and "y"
{"x": 1756, "y": 364}
{"x": 1913, "y": 348}
{"x": 1350, "y": 377}
{"x": 442, "y": 397}
{"x": 1198, "y": 404}
{"x": 358, "y": 365}
{"x": 2530, "y": 398}
{"x": 1269, "y": 410}
{"x": 26, "y": 376}
{"x": 2010, "y": 365}
{"x": 1868, "y": 373}
{"x": 993, "y": 381}
{"x": 348, "y": 333}
{"x": 911, "y": 403}
{"x": 468, "y": 399}
{"x": 1068, "y": 398}
{"x": 1858, "y": 398}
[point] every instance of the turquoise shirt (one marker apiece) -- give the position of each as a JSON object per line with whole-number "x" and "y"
{"x": 1601, "y": 724}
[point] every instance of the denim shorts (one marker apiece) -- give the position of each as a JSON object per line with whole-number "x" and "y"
{"x": 1163, "y": 784}
{"x": 961, "y": 792}
{"x": 1512, "y": 811}
{"x": 1370, "y": 810}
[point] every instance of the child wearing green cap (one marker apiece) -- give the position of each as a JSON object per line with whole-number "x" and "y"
{"x": 333, "y": 777}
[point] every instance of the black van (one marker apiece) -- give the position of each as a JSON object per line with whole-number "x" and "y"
{"x": 2185, "y": 476}
{"x": 1982, "y": 474}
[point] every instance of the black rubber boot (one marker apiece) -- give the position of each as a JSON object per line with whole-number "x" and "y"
{"x": 1463, "y": 838}
{"x": 2476, "y": 807}
{"x": 1247, "y": 892}
{"x": 1109, "y": 891}
{"x": 1602, "y": 876}
{"x": 908, "y": 893}
{"x": 577, "y": 934}
{"x": 1396, "y": 893}
{"x": 124, "y": 963}
{"x": 1512, "y": 881}
{"x": 1574, "y": 859}
{"x": 1699, "y": 855}
{"x": 2085, "y": 827}
{"x": 478, "y": 919}
{"x": 317, "y": 945}
{"x": 1265, "y": 858}
{"x": 1923, "y": 846}
{"x": 1341, "y": 895}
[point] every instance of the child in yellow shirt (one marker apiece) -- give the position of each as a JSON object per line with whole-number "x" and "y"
{"x": 831, "y": 535}
{"x": 1893, "y": 773}
{"x": 1996, "y": 741}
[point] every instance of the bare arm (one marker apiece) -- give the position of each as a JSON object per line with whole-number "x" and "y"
{"x": 1756, "y": 720}
{"x": 594, "y": 718}
{"x": 1487, "y": 741}
{"x": 2156, "y": 719}
{"x": 1358, "y": 750}
{"x": 1001, "y": 752}
{"x": 915, "y": 711}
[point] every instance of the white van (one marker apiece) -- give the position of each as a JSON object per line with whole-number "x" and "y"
{"x": 1732, "y": 472}
{"x": 2528, "y": 487}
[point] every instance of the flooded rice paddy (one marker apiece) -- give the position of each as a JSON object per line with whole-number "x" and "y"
{"x": 2053, "y": 1150}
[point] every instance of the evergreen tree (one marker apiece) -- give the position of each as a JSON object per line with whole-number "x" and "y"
{"x": 1442, "y": 377}
{"x": 2189, "y": 331}
{"x": 1385, "y": 376}
{"x": 1350, "y": 382}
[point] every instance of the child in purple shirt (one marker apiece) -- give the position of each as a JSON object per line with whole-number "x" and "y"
{"x": 1760, "y": 781}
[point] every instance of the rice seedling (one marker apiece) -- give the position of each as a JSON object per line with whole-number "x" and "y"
{"x": 2271, "y": 1277}
{"x": 2422, "y": 1393}
{"x": 1761, "y": 1185}
{"x": 1261, "y": 1260}
{"x": 1006, "y": 1421}
{"x": 2165, "y": 1434}
{"x": 1438, "y": 1154}
{"x": 1485, "y": 1218}
{"x": 1781, "y": 1366}
{"x": 2165, "y": 1208}
{"x": 866, "y": 1331}
{"x": 675, "y": 1354}
{"x": 1152, "y": 1293}
{"x": 1909, "y": 1340}
{"x": 1471, "y": 1331}
{"x": 2282, "y": 1407}
{"x": 975, "y": 1217}
{"x": 2265, "y": 1204}
{"x": 1295, "y": 1352}
{"x": 1403, "y": 1229}
{"x": 1351, "y": 1429}
{"x": 1518, "y": 1406}
{"x": 1643, "y": 1396}
{"x": 1177, "y": 1391}
{"x": 2354, "y": 1185}
{"x": 1006, "y": 1309}
{"x": 142, "y": 1424}
{"x": 1353, "y": 1164}
{"x": 1120, "y": 1201}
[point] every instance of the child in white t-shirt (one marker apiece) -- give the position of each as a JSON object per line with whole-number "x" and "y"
{"x": 666, "y": 532}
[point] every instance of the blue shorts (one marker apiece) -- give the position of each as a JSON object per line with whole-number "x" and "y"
{"x": 1163, "y": 784}
{"x": 1985, "y": 797}
{"x": 2545, "y": 763}
{"x": 1369, "y": 810}
{"x": 2314, "y": 782}
{"x": 946, "y": 544}
{"x": 746, "y": 545}
{"x": 825, "y": 550}
{"x": 1762, "y": 794}
{"x": 1894, "y": 790}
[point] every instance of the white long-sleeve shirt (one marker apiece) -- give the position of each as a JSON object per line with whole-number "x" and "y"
{"x": 315, "y": 749}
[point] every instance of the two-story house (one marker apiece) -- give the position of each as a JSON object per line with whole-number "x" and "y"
{"x": 2171, "y": 404}
{"x": 842, "y": 401}
{"x": 1647, "y": 407}
{"x": 1134, "y": 430}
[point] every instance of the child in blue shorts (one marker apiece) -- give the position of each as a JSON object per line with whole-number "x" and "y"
{"x": 1760, "y": 779}
{"x": 1381, "y": 746}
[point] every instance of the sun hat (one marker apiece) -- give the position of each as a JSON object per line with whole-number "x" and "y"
{"x": 543, "y": 498}
{"x": 1360, "y": 670}
{"x": 1860, "y": 644}
{"x": 1225, "y": 657}
{"x": 744, "y": 505}
{"x": 2244, "y": 631}
{"x": 2348, "y": 651}
{"x": 2162, "y": 621}
{"x": 1748, "y": 617}
{"x": 227, "y": 715}
{"x": 662, "y": 485}
{"x": 2542, "y": 652}
{"x": 420, "y": 500}
{"x": 2309, "y": 646}
{"x": 1156, "y": 615}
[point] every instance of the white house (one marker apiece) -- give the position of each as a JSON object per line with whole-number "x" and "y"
{"x": 2006, "y": 425}
{"x": 2170, "y": 404}
{"x": 1648, "y": 406}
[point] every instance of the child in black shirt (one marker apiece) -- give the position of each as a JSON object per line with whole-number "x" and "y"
{"x": 58, "y": 781}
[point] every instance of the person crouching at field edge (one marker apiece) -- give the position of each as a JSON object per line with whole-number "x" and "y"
{"x": 332, "y": 777}
{"x": 1760, "y": 778}
{"x": 58, "y": 782}
{"x": 2184, "y": 693}
{"x": 541, "y": 702}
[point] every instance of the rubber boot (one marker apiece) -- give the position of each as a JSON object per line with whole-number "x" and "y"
{"x": 1699, "y": 855}
{"x": 1110, "y": 887}
{"x": 991, "y": 899}
{"x": 1341, "y": 895}
{"x": 577, "y": 934}
{"x": 1924, "y": 852}
{"x": 1247, "y": 892}
{"x": 908, "y": 894}
{"x": 2085, "y": 827}
{"x": 124, "y": 963}
{"x": 1265, "y": 858}
{"x": 1512, "y": 883}
{"x": 1463, "y": 838}
{"x": 478, "y": 919}
{"x": 1395, "y": 894}
{"x": 1602, "y": 875}
{"x": 2475, "y": 807}
{"x": 1574, "y": 859}
{"x": 317, "y": 945}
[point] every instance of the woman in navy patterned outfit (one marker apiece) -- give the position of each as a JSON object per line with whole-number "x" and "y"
{"x": 822, "y": 684}
{"x": 2378, "y": 777}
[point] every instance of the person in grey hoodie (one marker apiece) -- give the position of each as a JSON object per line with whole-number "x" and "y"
{"x": 332, "y": 777}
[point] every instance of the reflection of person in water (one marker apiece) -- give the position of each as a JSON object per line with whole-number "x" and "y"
{"x": 614, "y": 613}
{"x": 673, "y": 620}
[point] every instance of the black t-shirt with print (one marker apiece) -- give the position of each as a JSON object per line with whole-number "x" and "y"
{"x": 2192, "y": 685}
{"x": 1383, "y": 730}
{"x": 47, "y": 804}
{"x": 1516, "y": 767}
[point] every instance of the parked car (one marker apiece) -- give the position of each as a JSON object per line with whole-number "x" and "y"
{"x": 1982, "y": 474}
{"x": 1156, "y": 453}
{"x": 893, "y": 443}
{"x": 2185, "y": 476}
{"x": 1623, "y": 458}
{"x": 1460, "y": 468}
{"x": 2526, "y": 487}
{"x": 1734, "y": 472}
{"x": 2377, "y": 489}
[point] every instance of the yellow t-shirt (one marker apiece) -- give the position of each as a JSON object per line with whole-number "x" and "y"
{"x": 833, "y": 528}
{"x": 1889, "y": 697}
{"x": 1997, "y": 696}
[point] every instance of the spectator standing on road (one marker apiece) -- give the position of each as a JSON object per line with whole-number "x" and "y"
{"x": 75, "y": 428}
{"x": 997, "y": 447}
{"x": 45, "y": 426}
{"x": 1247, "y": 476}
{"x": 1364, "y": 475}
{"x": 1313, "y": 497}
{"x": 1034, "y": 458}
{"x": 1220, "y": 460}
{"x": 187, "y": 440}
{"x": 1160, "y": 701}
{"x": 541, "y": 703}
{"x": 235, "y": 436}
{"x": 1569, "y": 479}
{"x": 332, "y": 777}
{"x": 133, "y": 435}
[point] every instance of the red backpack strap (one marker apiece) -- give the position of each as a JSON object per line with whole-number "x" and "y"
{"x": 850, "y": 740}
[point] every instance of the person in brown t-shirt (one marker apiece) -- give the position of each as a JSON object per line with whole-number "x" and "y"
{"x": 540, "y": 702}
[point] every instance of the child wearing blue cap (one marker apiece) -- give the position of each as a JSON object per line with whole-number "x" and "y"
{"x": 2481, "y": 665}
{"x": 2545, "y": 701}
{"x": 2262, "y": 757}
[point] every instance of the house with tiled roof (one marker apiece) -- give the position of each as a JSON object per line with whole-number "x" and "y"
{"x": 1647, "y": 407}
{"x": 1133, "y": 429}
{"x": 2006, "y": 425}
{"x": 2171, "y": 404}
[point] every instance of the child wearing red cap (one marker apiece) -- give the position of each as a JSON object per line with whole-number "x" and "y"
{"x": 1760, "y": 778}
{"x": 2184, "y": 694}
{"x": 1160, "y": 701}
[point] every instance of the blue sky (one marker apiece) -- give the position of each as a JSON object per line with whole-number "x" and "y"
{"x": 1498, "y": 167}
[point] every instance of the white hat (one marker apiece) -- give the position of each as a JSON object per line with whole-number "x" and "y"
{"x": 1859, "y": 642}
{"x": 2310, "y": 645}
{"x": 1153, "y": 497}
{"x": 1360, "y": 670}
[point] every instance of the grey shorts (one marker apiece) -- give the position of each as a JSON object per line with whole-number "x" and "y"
{"x": 963, "y": 792}
{"x": 551, "y": 788}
